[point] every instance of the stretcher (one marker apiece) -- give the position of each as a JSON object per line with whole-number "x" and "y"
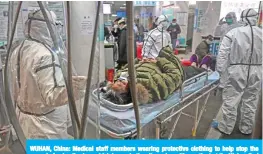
{"x": 120, "y": 122}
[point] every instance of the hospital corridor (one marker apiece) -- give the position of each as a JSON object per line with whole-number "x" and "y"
{"x": 129, "y": 70}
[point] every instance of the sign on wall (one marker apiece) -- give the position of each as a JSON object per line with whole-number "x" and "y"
{"x": 199, "y": 19}
{"x": 145, "y": 3}
{"x": 182, "y": 18}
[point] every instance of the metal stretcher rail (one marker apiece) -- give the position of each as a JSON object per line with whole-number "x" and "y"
{"x": 210, "y": 86}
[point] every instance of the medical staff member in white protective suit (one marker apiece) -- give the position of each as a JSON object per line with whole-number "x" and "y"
{"x": 156, "y": 39}
{"x": 231, "y": 23}
{"x": 38, "y": 85}
{"x": 240, "y": 56}
{"x": 224, "y": 27}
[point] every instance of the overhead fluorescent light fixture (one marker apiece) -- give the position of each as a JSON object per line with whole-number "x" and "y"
{"x": 114, "y": 15}
{"x": 124, "y": 4}
{"x": 106, "y": 8}
{"x": 122, "y": 7}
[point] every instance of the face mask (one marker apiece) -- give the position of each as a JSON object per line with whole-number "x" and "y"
{"x": 229, "y": 21}
{"x": 174, "y": 23}
{"x": 116, "y": 26}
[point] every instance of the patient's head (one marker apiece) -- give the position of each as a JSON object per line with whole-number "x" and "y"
{"x": 122, "y": 87}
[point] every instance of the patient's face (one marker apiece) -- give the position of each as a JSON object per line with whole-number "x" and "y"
{"x": 120, "y": 86}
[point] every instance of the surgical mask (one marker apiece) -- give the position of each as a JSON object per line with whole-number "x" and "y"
{"x": 121, "y": 27}
{"x": 229, "y": 21}
{"x": 174, "y": 23}
{"x": 116, "y": 26}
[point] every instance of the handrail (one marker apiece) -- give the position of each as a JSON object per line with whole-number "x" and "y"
{"x": 186, "y": 82}
{"x": 73, "y": 111}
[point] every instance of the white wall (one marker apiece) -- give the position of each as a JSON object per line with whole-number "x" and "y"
{"x": 212, "y": 14}
{"x": 183, "y": 7}
{"x": 80, "y": 41}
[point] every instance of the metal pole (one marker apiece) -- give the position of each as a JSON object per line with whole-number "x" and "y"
{"x": 8, "y": 97}
{"x": 98, "y": 132}
{"x": 72, "y": 107}
{"x": 131, "y": 68}
{"x": 89, "y": 77}
{"x": 75, "y": 125}
{"x": 259, "y": 13}
{"x": 10, "y": 19}
{"x": 3, "y": 110}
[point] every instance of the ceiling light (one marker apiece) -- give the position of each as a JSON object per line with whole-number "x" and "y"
{"x": 124, "y": 4}
{"x": 114, "y": 15}
{"x": 122, "y": 7}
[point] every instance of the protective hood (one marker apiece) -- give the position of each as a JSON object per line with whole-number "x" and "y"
{"x": 36, "y": 27}
{"x": 162, "y": 21}
{"x": 249, "y": 16}
{"x": 232, "y": 15}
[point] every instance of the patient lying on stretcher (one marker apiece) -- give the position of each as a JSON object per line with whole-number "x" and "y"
{"x": 156, "y": 79}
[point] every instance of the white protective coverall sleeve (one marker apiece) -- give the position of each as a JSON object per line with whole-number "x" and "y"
{"x": 38, "y": 85}
{"x": 156, "y": 39}
{"x": 243, "y": 47}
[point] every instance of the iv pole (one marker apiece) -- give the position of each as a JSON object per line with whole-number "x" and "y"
{"x": 131, "y": 68}
{"x": 75, "y": 130}
{"x": 72, "y": 105}
{"x": 89, "y": 77}
{"x": 8, "y": 98}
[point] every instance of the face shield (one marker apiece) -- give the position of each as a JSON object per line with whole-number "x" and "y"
{"x": 36, "y": 29}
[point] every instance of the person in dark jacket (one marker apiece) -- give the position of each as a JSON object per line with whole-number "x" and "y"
{"x": 174, "y": 29}
{"x": 203, "y": 48}
{"x": 116, "y": 30}
{"x": 122, "y": 44}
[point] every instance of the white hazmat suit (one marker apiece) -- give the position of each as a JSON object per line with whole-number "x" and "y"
{"x": 38, "y": 86}
{"x": 240, "y": 55}
{"x": 156, "y": 39}
{"x": 225, "y": 28}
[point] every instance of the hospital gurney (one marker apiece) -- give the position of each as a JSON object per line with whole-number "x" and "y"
{"x": 122, "y": 124}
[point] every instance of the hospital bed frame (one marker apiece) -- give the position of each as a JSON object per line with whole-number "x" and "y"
{"x": 176, "y": 109}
